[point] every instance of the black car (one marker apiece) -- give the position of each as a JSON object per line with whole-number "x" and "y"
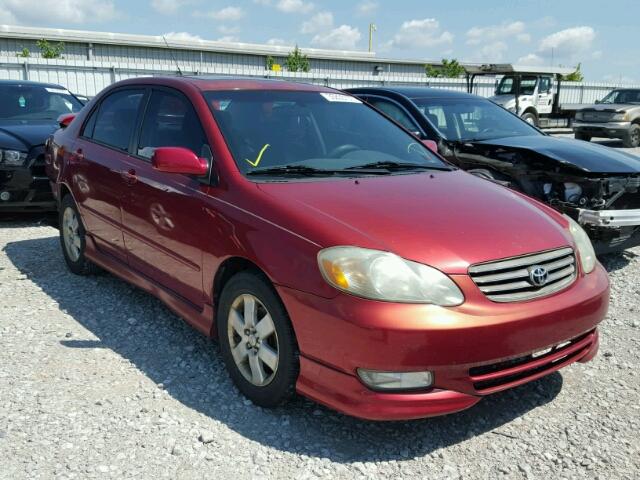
{"x": 28, "y": 115}
{"x": 595, "y": 185}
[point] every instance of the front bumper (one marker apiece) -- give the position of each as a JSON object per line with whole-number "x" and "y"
{"x": 609, "y": 218}
{"x": 336, "y": 336}
{"x": 608, "y": 129}
{"x": 24, "y": 189}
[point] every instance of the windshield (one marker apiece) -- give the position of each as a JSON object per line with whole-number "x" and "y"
{"x": 313, "y": 130}
{"x": 467, "y": 119}
{"x": 35, "y": 102}
{"x": 623, "y": 96}
{"x": 508, "y": 84}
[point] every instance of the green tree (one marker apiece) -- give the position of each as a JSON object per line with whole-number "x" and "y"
{"x": 448, "y": 69}
{"x": 269, "y": 62}
{"x": 575, "y": 76}
{"x": 25, "y": 53}
{"x": 49, "y": 50}
{"x": 296, "y": 61}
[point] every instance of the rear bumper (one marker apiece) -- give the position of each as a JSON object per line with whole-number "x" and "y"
{"x": 337, "y": 336}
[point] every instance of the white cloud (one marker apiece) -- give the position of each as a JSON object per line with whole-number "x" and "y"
{"x": 367, "y": 7}
{"x": 228, "y": 30}
{"x": 530, "y": 60}
{"x": 168, "y": 7}
{"x": 568, "y": 43}
{"x": 227, "y": 13}
{"x": 228, "y": 39}
{"x": 319, "y": 22}
{"x": 482, "y": 35}
{"x": 421, "y": 34}
{"x": 181, "y": 36}
{"x": 63, "y": 11}
{"x": 344, "y": 37}
{"x": 276, "y": 41}
{"x": 288, "y": 6}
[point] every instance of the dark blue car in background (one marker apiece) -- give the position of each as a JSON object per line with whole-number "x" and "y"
{"x": 28, "y": 115}
{"x": 595, "y": 185}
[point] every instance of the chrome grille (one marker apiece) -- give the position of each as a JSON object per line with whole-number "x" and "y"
{"x": 595, "y": 116}
{"x": 511, "y": 279}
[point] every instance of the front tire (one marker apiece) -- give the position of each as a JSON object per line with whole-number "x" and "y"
{"x": 583, "y": 136}
{"x": 632, "y": 138}
{"x": 257, "y": 341}
{"x": 73, "y": 238}
{"x": 530, "y": 118}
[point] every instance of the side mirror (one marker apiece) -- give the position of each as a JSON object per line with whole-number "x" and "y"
{"x": 431, "y": 145}
{"x": 179, "y": 160}
{"x": 65, "y": 119}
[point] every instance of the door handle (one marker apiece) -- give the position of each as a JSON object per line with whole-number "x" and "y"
{"x": 129, "y": 176}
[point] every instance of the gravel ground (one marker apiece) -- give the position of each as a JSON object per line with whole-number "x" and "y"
{"x": 100, "y": 380}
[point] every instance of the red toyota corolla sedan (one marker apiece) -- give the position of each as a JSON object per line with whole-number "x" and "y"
{"x": 329, "y": 250}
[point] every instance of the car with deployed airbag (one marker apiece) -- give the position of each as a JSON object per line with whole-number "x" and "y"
{"x": 328, "y": 250}
{"x": 595, "y": 185}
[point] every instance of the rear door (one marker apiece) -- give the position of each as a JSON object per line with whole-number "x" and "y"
{"x": 163, "y": 214}
{"x": 99, "y": 156}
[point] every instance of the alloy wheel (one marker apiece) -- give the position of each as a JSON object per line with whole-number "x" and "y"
{"x": 71, "y": 234}
{"x": 253, "y": 340}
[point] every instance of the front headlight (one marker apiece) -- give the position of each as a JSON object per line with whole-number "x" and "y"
{"x": 378, "y": 275}
{"x": 620, "y": 117}
{"x": 583, "y": 243}
{"x": 12, "y": 157}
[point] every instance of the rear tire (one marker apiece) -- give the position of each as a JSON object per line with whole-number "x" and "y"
{"x": 73, "y": 238}
{"x": 257, "y": 340}
{"x": 583, "y": 136}
{"x": 632, "y": 138}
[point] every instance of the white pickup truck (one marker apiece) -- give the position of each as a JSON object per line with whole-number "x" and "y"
{"x": 531, "y": 92}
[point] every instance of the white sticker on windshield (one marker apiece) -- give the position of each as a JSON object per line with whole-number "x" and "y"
{"x": 56, "y": 90}
{"x": 337, "y": 97}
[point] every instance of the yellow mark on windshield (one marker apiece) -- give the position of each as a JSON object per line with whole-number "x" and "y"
{"x": 255, "y": 164}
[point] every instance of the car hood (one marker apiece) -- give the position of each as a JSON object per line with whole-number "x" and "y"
{"x": 588, "y": 157}
{"x": 23, "y": 136}
{"x": 610, "y": 107}
{"x": 446, "y": 219}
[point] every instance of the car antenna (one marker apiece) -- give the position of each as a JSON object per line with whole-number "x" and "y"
{"x": 172, "y": 57}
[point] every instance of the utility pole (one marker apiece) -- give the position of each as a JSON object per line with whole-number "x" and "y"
{"x": 372, "y": 28}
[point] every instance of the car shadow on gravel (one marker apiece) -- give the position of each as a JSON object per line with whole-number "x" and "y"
{"x": 617, "y": 261}
{"x": 189, "y": 368}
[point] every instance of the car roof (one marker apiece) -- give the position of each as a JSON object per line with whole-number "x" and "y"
{"x": 207, "y": 83}
{"x": 414, "y": 92}
{"x": 30, "y": 82}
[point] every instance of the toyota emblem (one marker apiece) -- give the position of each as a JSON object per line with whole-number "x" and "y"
{"x": 538, "y": 275}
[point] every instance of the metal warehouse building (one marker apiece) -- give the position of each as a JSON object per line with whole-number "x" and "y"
{"x": 93, "y": 60}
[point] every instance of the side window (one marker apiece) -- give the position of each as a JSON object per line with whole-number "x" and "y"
{"x": 394, "y": 111}
{"x": 90, "y": 124}
{"x": 545, "y": 84}
{"x": 116, "y": 118}
{"x": 170, "y": 121}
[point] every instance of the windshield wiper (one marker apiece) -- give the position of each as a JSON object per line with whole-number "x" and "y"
{"x": 396, "y": 166}
{"x": 304, "y": 170}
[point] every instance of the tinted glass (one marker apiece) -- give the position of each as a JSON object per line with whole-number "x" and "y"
{"x": 395, "y": 112}
{"x": 35, "y": 102}
{"x": 527, "y": 86}
{"x": 472, "y": 119}
{"x": 623, "y": 96}
{"x": 170, "y": 121}
{"x": 117, "y": 118}
{"x": 320, "y": 130}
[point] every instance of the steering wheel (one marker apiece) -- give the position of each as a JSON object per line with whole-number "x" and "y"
{"x": 342, "y": 150}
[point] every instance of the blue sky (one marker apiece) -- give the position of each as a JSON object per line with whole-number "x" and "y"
{"x": 602, "y": 36}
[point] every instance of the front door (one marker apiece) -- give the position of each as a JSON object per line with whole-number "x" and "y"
{"x": 544, "y": 97}
{"x": 99, "y": 156}
{"x": 163, "y": 216}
